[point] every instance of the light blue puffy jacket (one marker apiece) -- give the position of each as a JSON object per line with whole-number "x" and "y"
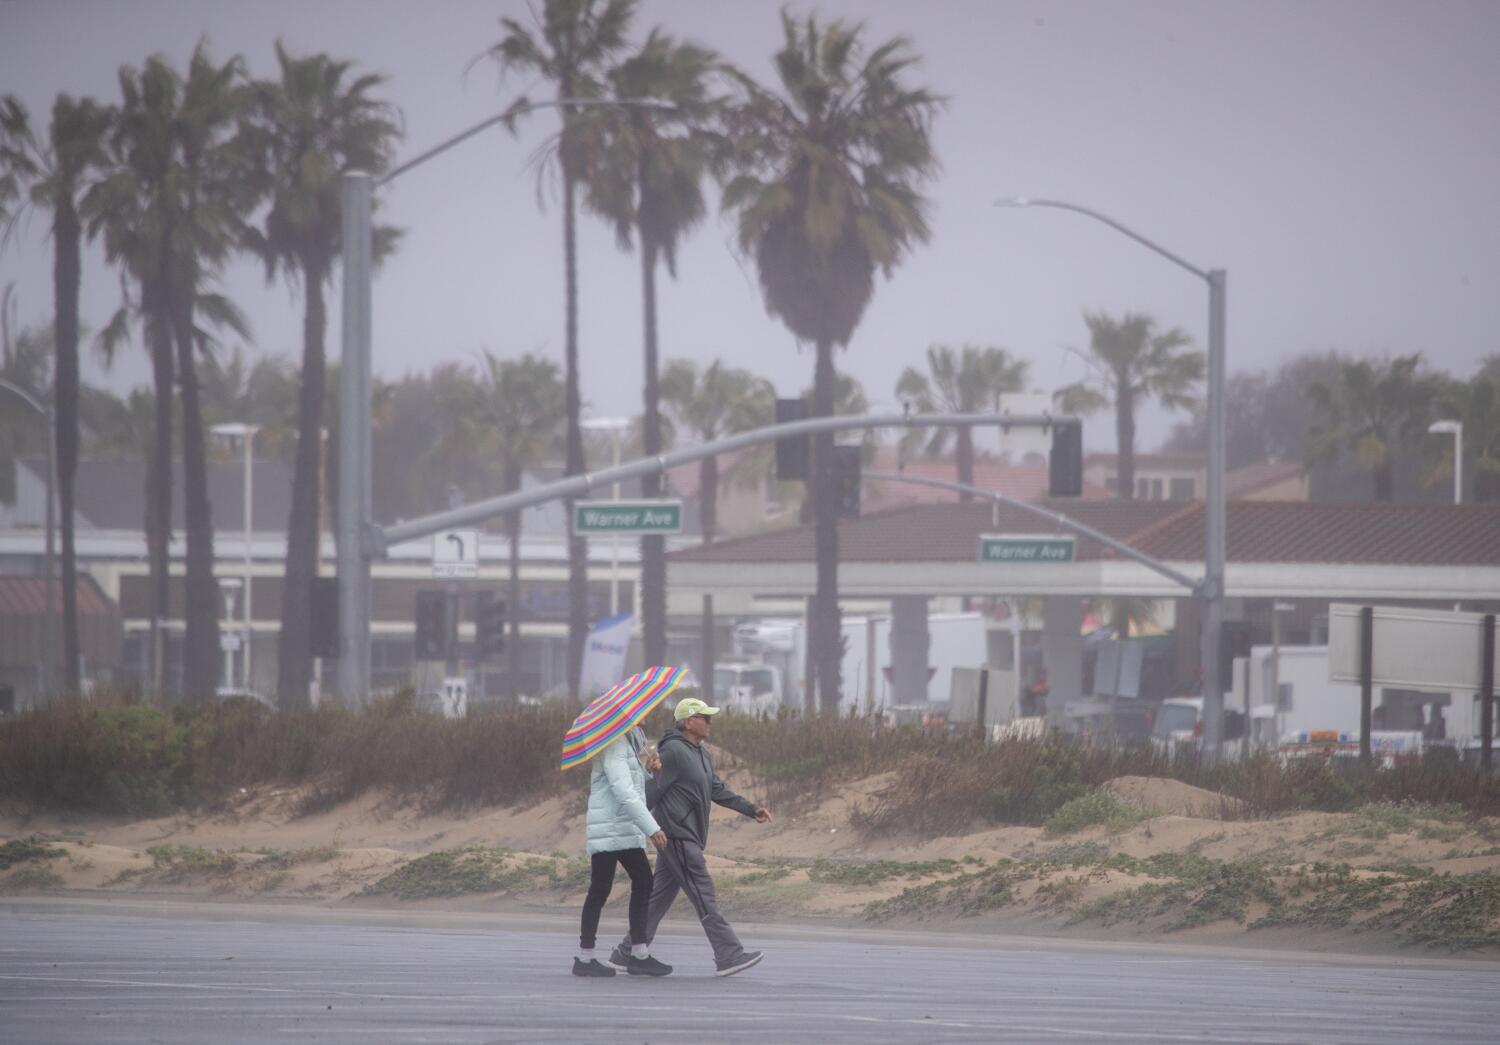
{"x": 618, "y": 817}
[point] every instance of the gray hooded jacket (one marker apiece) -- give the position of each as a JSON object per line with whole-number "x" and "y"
{"x": 686, "y": 786}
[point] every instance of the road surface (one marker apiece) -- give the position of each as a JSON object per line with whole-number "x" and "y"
{"x": 209, "y": 973}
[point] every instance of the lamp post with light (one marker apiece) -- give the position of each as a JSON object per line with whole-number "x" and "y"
{"x": 1212, "y": 592}
{"x": 357, "y": 538}
{"x": 1456, "y": 429}
{"x": 245, "y": 433}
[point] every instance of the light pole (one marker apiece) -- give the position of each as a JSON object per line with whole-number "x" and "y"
{"x": 357, "y": 538}
{"x": 1213, "y": 553}
{"x": 615, "y": 426}
{"x": 245, "y": 433}
{"x": 1456, "y": 429}
{"x": 50, "y": 628}
{"x": 229, "y": 585}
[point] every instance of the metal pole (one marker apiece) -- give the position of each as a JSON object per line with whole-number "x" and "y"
{"x": 249, "y": 502}
{"x": 1487, "y": 691}
{"x": 1366, "y": 680}
{"x": 1214, "y": 510}
{"x": 354, "y": 444}
{"x": 614, "y": 544}
{"x": 1276, "y": 670}
{"x": 50, "y": 638}
{"x": 1458, "y": 463}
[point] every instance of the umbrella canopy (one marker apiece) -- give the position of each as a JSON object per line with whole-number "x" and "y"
{"x": 616, "y": 711}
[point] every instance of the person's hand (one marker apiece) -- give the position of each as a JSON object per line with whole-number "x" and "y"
{"x": 652, "y": 758}
{"x": 762, "y": 815}
{"x": 659, "y": 839}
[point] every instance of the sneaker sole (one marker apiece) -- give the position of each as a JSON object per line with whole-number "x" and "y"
{"x": 632, "y": 972}
{"x": 617, "y": 965}
{"x": 740, "y": 968}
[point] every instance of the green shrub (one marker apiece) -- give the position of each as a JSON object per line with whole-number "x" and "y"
{"x": 1096, "y": 807}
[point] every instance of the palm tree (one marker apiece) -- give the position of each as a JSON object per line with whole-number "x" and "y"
{"x": 1370, "y": 410}
{"x": 828, "y": 192}
{"x": 511, "y": 415}
{"x": 59, "y": 171}
{"x": 315, "y": 123}
{"x": 650, "y": 184}
{"x": 717, "y": 402}
{"x": 962, "y": 383}
{"x": 171, "y": 211}
{"x": 215, "y": 191}
{"x": 1131, "y": 362}
{"x": 708, "y": 405}
{"x": 572, "y": 47}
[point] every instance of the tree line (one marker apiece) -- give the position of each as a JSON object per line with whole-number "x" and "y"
{"x": 823, "y": 170}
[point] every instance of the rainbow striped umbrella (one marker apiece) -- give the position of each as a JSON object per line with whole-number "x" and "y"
{"x": 616, "y": 711}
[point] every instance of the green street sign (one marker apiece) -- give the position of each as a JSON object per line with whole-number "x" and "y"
{"x": 1000, "y": 547}
{"x": 627, "y": 517}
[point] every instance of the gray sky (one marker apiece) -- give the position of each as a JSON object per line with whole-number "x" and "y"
{"x": 1340, "y": 159}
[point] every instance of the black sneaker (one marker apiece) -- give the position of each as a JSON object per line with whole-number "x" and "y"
{"x": 620, "y": 958}
{"x": 647, "y": 966}
{"x": 592, "y": 967}
{"x": 739, "y": 964}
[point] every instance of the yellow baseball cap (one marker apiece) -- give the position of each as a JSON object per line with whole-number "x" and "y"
{"x": 687, "y": 707}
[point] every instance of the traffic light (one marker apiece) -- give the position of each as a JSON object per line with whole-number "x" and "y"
{"x": 792, "y": 452}
{"x": 1234, "y": 642}
{"x": 489, "y": 624}
{"x": 1065, "y": 464}
{"x": 434, "y": 626}
{"x": 325, "y": 618}
{"x": 846, "y": 481}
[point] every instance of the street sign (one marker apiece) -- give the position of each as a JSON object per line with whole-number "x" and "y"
{"x": 627, "y": 517}
{"x": 455, "y": 553}
{"x": 1009, "y": 547}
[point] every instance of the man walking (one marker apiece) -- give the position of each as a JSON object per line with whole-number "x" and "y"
{"x": 688, "y": 784}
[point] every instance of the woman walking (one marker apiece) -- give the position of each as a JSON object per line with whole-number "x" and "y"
{"x": 618, "y": 825}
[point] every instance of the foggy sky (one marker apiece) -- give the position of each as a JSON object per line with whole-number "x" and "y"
{"x": 1340, "y": 160}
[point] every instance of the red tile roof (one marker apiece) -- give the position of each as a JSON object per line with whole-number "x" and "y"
{"x": 1257, "y": 531}
{"x": 27, "y": 596}
{"x": 1025, "y": 482}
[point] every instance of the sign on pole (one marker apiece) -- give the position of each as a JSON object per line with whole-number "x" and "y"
{"x": 627, "y": 517}
{"x": 1012, "y": 547}
{"x": 455, "y": 553}
{"x": 1414, "y": 648}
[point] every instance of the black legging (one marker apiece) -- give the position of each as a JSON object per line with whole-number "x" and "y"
{"x": 602, "y": 881}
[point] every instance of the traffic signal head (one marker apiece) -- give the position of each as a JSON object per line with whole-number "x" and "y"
{"x": 1065, "y": 465}
{"x": 489, "y": 624}
{"x": 792, "y": 452}
{"x": 434, "y": 626}
{"x": 846, "y": 481}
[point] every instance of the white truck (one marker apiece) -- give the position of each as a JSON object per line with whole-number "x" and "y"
{"x": 955, "y": 640}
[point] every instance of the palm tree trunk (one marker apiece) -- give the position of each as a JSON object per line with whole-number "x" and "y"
{"x": 653, "y": 547}
{"x": 66, "y": 234}
{"x": 201, "y": 609}
{"x": 294, "y": 652}
{"x": 578, "y": 620}
{"x": 1125, "y": 436}
{"x": 513, "y": 590}
{"x": 1385, "y": 478}
{"x": 965, "y": 454}
{"x": 825, "y": 636}
{"x": 159, "y": 478}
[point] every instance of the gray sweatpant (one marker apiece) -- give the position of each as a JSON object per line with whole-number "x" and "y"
{"x": 680, "y": 866}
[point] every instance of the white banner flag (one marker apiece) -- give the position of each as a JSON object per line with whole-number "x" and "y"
{"x": 604, "y": 655}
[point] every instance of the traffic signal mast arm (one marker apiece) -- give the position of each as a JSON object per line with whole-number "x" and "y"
{"x": 573, "y": 486}
{"x": 1059, "y": 518}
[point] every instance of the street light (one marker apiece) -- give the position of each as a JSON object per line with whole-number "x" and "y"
{"x": 1456, "y": 428}
{"x": 616, "y": 427}
{"x": 45, "y": 409}
{"x": 1213, "y": 555}
{"x": 245, "y": 433}
{"x": 357, "y": 539}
